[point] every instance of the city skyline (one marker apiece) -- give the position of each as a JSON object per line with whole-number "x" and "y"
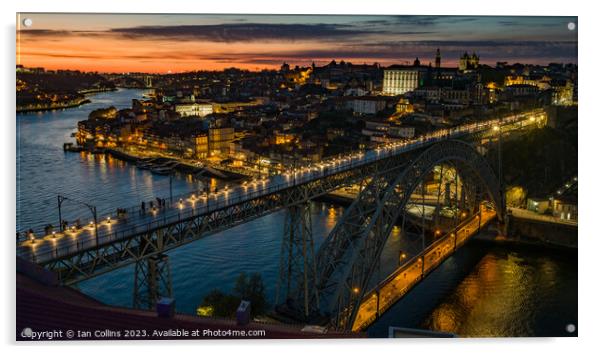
{"x": 180, "y": 43}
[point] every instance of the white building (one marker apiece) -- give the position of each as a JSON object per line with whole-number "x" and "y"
{"x": 402, "y": 132}
{"x": 366, "y": 104}
{"x": 399, "y": 81}
{"x": 194, "y": 109}
{"x": 383, "y": 132}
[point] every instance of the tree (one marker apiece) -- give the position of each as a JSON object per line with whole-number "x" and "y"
{"x": 251, "y": 288}
{"x": 216, "y": 303}
{"x": 240, "y": 286}
{"x": 256, "y": 294}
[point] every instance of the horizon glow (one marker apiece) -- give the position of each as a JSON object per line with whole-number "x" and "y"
{"x": 164, "y": 43}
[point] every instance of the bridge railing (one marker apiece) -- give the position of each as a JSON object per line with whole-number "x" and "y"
{"x": 171, "y": 213}
{"x": 435, "y": 136}
{"x": 420, "y": 259}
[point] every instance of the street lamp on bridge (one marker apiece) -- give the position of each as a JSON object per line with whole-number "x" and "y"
{"x": 92, "y": 208}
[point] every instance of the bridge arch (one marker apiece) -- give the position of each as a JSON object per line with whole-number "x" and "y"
{"x": 349, "y": 256}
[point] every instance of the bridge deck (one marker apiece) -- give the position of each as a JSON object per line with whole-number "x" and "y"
{"x": 111, "y": 228}
{"x": 389, "y": 291}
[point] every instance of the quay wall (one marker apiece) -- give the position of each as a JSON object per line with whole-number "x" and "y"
{"x": 533, "y": 233}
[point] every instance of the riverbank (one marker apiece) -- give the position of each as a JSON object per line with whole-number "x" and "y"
{"x": 495, "y": 239}
{"x": 98, "y": 90}
{"x": 63, "y": 105}
{"x": 53, "y": 107}
{"x": 179, "y": 165}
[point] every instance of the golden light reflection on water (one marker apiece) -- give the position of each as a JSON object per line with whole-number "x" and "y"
{"x": 477, "y": 308}
{"x": 444, "y": 319}
{"x": 332, "y": 217}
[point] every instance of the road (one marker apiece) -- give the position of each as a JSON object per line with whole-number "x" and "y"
{"x": 531, "y": 215}
{"x": 411, "y": 272}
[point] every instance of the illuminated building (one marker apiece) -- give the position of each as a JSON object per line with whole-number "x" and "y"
{"x": 565, "y": 208}
{"x": 468, "y": 62}
{"x": 283, "y": 138}
{"x": 538, "y": 205}
{"x": 220, "y": 139}
{"x": 201, "y": 143}
{"x": 404, "y": 106}
{"x": 562, "y": 95}
{"x": 194, "y": 109}
{"x": 543, "y": 83}
{"x": 399, "y": 80}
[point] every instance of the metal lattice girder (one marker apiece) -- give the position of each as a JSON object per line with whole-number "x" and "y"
{"x": 152, "y": 280}
{"x": 346, "y": 236}
{"x": 84, "y": 264}
{"x": 296, "y": 284}
{"x": 76, "y": 263}
{"x": 346, "y": 261}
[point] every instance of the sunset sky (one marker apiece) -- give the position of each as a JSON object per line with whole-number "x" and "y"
{"x": 164, "y": 43}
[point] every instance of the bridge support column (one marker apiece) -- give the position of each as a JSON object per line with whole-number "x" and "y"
{"x": 297, "y": 262}
{"x": 152, "y": 280}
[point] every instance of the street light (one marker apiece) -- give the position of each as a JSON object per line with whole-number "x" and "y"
{"x": 91, "y": 207}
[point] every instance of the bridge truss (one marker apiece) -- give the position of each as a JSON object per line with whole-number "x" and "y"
{"x": 350, "y": 256}
{"x": 329, "y": 283}
{"x": 159, "y": 238}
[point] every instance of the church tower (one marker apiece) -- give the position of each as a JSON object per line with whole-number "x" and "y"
{"x": 438, "y": 59}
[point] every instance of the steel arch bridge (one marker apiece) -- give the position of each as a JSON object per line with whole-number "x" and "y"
{"x": 347, "y": 260}
{"x": 313, "y": 285}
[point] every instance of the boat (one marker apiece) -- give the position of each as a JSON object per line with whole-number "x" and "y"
{"x": 161, "y": 170}
{"x": 145, "y": 164}
{"x": 72, "y": 148}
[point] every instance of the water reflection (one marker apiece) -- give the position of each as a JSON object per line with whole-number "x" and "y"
{"x": 506, "y": 295}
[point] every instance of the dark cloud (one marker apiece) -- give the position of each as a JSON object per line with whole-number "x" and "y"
{"x": 44, "y": 32}
{"x": 489, "y": 51}
{"x": 428, "y": 21}
{"x": 529, "y": 24}
{"x": 468, "y": 43}
{"x": 242, "y": 32}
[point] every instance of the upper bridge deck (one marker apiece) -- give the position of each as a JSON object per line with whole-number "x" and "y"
{"x": 112, "y": 228}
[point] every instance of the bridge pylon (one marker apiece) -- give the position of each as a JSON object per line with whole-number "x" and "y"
{"x": 296, "y": 284}
{"x": 152, "y": 280}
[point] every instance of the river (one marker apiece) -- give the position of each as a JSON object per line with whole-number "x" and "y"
{"x": 482, "y": 290}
